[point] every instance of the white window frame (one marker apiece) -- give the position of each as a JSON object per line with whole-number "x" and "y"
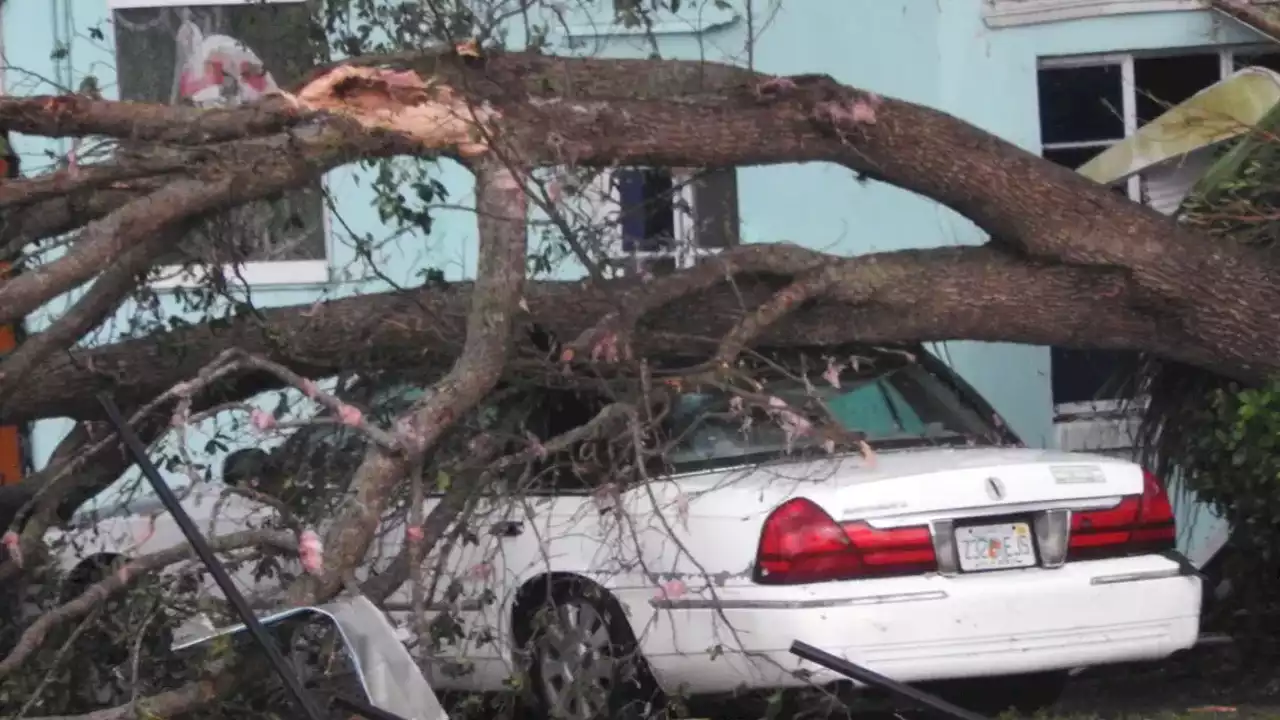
{"x": 1102, "y": 433}
{"x": 1010, "y": 13}
{"x": 1128, "y": 100}
{"x": 255, "y": 273}
{"x": 607, "y": 213}
{"x": 1129, "y": 92}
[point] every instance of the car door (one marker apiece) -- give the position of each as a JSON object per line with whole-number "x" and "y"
{"x": 466, "y": 574}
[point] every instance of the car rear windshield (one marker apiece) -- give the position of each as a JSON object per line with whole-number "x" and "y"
{"x": 908, "y": 406}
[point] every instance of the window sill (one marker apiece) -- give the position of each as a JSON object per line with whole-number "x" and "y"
{"x": 254, "y": 274}
{"x": 1009, "y": 13}
{"x": 580, "y": 25}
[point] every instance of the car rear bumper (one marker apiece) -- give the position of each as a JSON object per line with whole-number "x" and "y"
{"x": 922, "y": 628}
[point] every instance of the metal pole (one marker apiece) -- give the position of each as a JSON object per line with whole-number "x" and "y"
{"x": 857, "y": 672}
{"x": 219, "y": 573}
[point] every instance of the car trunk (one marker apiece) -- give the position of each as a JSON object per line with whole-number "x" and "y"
{"x": 907, "y": 487}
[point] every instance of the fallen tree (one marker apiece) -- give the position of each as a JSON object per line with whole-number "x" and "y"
{"x": 1050, "y": 228}
{"x": 1068, "y": 263}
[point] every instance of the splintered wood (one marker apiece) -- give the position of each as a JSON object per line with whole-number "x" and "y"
{"x": 402, "y": 101}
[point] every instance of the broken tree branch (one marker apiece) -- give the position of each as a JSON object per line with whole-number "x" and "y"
{"x": 924, "y": 295}
{"x": 502, "y": 209}
{"x": 118, "y": 580}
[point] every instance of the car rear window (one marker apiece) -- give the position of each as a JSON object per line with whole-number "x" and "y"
{"x": 907, "y": 406}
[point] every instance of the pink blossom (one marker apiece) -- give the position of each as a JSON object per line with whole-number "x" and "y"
{"x": 777, "y": 402}
{"x": 123, "y": 573}
{"x": 868, "y": 455}
{"x": 603, "y": 497}
{"x": 536, "y": 445}
{"x": 310, "y": 551}
{"x": 832, "y": 374}
{"x": 13, "y": 544}
{"x": 414, "y": 533}
{"x": 606, "y": 348}
{"x": 261, "y": 420}
{"x": 864, "y": 109}
{"x": 350, "y": 415}
{"x": 682, "y": 509}
{"x": 671, "y": 589}
{"x": 793, "y": 425}
{"x": 142, "y": 535}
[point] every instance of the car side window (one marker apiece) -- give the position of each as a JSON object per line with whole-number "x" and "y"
{"x": 582, "y": 467}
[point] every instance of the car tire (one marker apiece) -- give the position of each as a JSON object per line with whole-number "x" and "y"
{"x": 1023, "y": 694}
{"x": 583, "y": 658}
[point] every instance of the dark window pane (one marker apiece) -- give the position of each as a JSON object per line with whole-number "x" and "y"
{"x": 1084, "y": 375}
{"x": 1270, "y": 61}
{"x": 1079, "y": 104}
{"x": 648, "y": 209}
{"x": 1075, "y": 157}
{"x": 715, "y": 207}
{"x": 1072, "y": 157}
{"x": 1165, "y": 81}
{"x": 219, "y": 56}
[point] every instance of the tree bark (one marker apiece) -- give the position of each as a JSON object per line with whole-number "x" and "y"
{"x": 924, "y": 295}
{"x": 1215, "y": 296}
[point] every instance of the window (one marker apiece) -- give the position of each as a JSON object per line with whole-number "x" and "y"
{"x": 894, "y": 406}
{"x": 1088, "y": 103}
{"x": 659, "y": 220}
{"x": 215, "y": 55}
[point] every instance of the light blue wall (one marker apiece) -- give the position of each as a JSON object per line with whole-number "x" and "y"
{"x": 937, "y": 53}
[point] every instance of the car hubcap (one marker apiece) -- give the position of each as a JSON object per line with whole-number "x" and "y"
{"x": 575, "y": 663}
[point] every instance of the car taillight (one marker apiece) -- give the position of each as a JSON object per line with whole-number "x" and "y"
{"x": 1140, "y": 524}
{"x": 802, "y": 544}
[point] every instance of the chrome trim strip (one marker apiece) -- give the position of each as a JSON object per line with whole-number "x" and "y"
{"x": 717, "y": 604}
{"x": 1135, "y": 577}
{"x": 943, "y": 534}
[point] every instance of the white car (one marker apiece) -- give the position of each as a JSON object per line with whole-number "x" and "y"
{"x": 952, "y": 553}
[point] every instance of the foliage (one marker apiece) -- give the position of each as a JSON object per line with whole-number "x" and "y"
{"x": 1234, "y": 465}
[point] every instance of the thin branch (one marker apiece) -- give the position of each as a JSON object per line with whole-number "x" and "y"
{"x": 35, "y": 634}
{"x": 341, "y": 410}
{"x": 167, "y": 704}
{"x": 79, "y": 116}
{"x": 503, "y": 210}
{"x": 251, "y": 170}
{"x": 103, "y": 297}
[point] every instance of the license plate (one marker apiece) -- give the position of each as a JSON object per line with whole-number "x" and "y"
{"x": 995, "y": 547}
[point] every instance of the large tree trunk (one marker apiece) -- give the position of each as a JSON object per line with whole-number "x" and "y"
{"x": 945, "y": 294}
{"x": 1070, "y": 263}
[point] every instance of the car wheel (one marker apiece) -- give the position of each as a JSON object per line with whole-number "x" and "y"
{"x": 584, "y": 658}
{"x": 1024, "y": 694}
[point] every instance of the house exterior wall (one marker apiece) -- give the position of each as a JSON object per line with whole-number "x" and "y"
{"x": 973, "y": 58}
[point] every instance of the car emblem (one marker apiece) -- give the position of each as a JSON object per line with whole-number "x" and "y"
{"x": 995, "y": 489}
